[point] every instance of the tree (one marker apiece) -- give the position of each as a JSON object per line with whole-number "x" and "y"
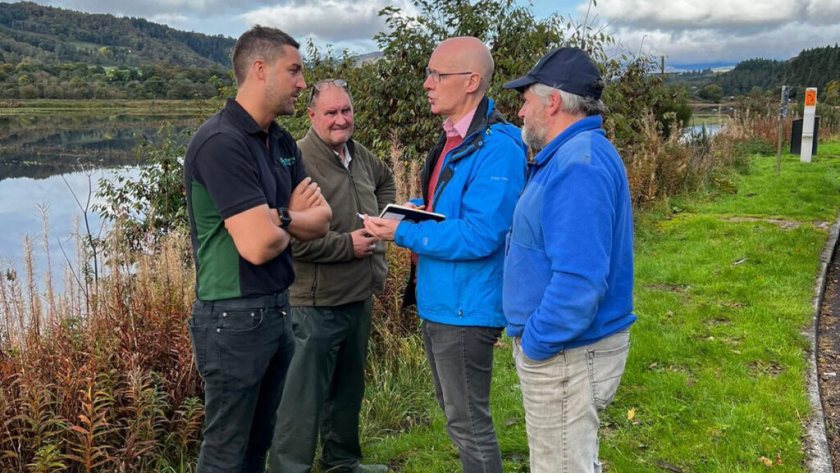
{"x": 711, "y": 92}
{"x": 832, "y": 93}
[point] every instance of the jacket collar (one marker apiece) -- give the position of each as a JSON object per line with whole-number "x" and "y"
{"x": 590, "y": 123}
{"x": 324, "y": 148}
{"x": 245, "y": 121}
{"x": 485, "y": 115}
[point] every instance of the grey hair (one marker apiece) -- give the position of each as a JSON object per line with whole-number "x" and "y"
{"x": 572, "y": 104}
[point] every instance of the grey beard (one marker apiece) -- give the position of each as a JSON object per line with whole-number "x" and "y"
{"x": 532, "y": 138}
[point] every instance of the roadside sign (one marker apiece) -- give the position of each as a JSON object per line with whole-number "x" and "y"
{"x": 811, "y": 97}
{"x": 808, "y": 116}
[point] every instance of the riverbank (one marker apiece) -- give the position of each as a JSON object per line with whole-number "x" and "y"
{"x": 142, "y": 107}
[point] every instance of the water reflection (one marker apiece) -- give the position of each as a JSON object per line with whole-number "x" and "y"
{"x": 40, "y": 145}
{"x": 20, "y": 199}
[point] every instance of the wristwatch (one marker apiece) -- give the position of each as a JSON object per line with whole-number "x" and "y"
{"x": 285, "y": 218}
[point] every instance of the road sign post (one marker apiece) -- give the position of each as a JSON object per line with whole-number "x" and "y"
{"x": 808, "y": 124}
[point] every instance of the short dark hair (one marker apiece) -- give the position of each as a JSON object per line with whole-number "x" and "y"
{"x": 260, "y": 42}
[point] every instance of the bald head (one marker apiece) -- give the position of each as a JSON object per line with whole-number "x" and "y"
{"x": 471, "y": 53}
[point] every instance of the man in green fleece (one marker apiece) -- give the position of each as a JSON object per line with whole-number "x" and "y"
{"x": 336, "y": 277}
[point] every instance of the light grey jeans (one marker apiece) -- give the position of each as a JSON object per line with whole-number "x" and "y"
{"x": 563, "y": 397}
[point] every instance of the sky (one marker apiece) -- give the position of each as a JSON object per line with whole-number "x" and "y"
{"x": 687, "y": 32}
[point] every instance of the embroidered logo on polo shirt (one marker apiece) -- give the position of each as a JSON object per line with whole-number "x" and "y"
{"x": 288, "y": 162}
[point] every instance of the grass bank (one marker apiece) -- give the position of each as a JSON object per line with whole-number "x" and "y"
{"x": 141, "y": 107}
{"x": 716, "y": 376}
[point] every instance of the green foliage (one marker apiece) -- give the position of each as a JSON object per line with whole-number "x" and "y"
{"x": 389, "y": 101}
{"x": 83, "y": 81}
{"x": 153, "y": 204}
{"x": 763, "y": 73}
{"x": 831, "y": 94}
{"x": 755, "y": 146}
{"x": 633, "y": 96}
{"x": 711, "y": 92}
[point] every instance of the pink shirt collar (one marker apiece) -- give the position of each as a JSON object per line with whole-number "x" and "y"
{"x": 460, "y": 128}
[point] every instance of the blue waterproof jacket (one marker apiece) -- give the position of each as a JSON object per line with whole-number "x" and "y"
{"x": 569, "y": 267}
{"x": 460, "y": 260}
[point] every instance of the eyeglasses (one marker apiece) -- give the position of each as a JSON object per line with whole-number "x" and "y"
{"x": 323, "y": 84}
{"x": 437, "y": 76}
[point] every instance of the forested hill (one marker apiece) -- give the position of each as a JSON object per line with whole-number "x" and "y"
{"x": 818, "y": 67}
{"x": 49, "y": 35}
{"x": 811, "y": 68}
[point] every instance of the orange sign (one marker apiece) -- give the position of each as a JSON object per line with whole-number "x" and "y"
{"x": 810, "y": 97}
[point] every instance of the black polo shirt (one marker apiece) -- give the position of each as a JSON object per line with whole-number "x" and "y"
{"x": 232, "y": 165}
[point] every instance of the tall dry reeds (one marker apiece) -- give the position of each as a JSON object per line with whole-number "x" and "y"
{"x": 660, "y": 167}
{"x": 99, "y": 378}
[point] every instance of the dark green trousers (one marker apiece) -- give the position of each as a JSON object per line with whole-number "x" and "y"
{"x": 324, "y": 389}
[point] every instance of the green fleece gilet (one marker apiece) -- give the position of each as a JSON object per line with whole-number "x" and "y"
{"x": 327, "y": 271}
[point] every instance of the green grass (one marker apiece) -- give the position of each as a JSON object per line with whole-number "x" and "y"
{"x": 716, "y": 374}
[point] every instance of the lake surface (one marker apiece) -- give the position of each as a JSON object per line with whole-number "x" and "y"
{"x": 49, "y": 159}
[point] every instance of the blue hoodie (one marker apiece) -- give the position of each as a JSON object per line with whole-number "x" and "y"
{"x": 460, "y": 260}
{"x": 568, "y": 278}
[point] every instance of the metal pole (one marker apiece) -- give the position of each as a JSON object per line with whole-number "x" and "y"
{"x": 782, "y": 111}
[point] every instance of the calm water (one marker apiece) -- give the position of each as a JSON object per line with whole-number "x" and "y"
{"x": 25, "y": 202}
{"x": 48, "y": 160}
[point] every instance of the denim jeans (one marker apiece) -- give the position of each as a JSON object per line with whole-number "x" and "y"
{"x": 324, "y": 389}
{"x": 563, "y": 397}
{"x": 461, "y": 360}
{"x": 242, "y": 349}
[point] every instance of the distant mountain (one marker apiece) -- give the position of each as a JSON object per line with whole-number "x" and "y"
{"x": 695, "y": 67}
{"x": 48, "y": 35}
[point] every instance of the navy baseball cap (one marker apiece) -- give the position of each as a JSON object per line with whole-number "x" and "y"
{"x": 568, "y": 69}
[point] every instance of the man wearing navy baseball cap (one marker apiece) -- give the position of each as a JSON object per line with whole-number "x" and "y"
{"x": 568, "y": 277}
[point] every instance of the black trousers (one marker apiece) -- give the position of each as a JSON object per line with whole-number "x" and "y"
{"x": 324, "y": 389}
{"x": 242, "y": 349}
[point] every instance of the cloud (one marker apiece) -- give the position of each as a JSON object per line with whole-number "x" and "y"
{"x": 169, "y": 19}
{"x": 823, "y": 11}
{"x": 329, "y": 20}
{"x": 708, "y": 45}
{"x": 700, "y": 14}
{"x": 692, "y": 32}
{"x": 160, "y": 8}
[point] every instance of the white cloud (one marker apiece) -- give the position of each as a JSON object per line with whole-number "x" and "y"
{"x": 699, "y": 13}
{"x": 169, "y": 19}
{"x": 328, "y": 21}
{"x": 698, "y": 31}
{"x": 823, "y": 12}
{"x": 697, "y": 46}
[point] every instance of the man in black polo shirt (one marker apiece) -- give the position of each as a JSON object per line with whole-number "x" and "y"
{"x": 247, "y": 192}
